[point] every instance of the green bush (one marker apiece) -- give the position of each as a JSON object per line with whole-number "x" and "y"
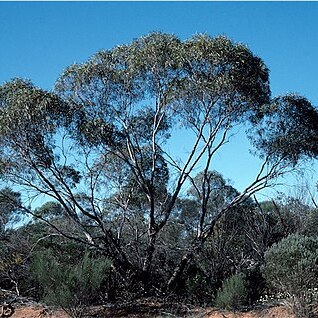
{"x": 233, "y": 293}
{"x": 71, "y": 286}
{"x": 197, "y": 287}
{"x": 291, "y": 268}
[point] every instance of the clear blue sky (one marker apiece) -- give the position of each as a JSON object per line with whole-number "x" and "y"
{"x": 39, "y": 39}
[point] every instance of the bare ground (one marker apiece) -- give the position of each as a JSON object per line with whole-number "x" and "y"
{"x": 154, "y": 310}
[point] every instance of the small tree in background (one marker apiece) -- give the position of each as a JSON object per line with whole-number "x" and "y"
{"x": 291, "y": 268}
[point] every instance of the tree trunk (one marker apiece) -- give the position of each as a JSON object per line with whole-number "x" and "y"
{"x": 179, "y": 270}
{"x": 146, "y": 269}
{"x": 186, "y": 259}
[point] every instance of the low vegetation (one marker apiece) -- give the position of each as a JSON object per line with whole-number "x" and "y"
{"x": 291, "y": 268}
{"x": 233, "y": 294}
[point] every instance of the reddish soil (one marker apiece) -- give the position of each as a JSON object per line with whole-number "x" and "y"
{"x": 153, "y": 311}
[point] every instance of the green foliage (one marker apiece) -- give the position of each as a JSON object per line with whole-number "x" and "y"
{"x": 217, "y": 191}
{"x": 10, "y": 202}
{"x": 289, "y": 129}
{"x": 49, "y": 210}
{"x": 291, "y": 268}
{"x": 15, "y": 247}
{"x": 70, "y": 286}
{"x": 28, "y": 119}
{"x": 233, "y": 293}
{"x": 197, "y": 286}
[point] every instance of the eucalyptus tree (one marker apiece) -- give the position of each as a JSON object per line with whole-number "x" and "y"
{"x": 98, "y": 144}
{"x": 133, "y": 95}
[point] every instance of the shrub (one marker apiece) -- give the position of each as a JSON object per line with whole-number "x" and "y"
{"x": 291, "y": 268}
{"x": 70, "y": 286}
{"x": 233, "y": 293}
{"x": 197, "y": 288}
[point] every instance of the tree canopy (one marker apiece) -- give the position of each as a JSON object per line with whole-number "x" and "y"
{"x": 97, "y": 145}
